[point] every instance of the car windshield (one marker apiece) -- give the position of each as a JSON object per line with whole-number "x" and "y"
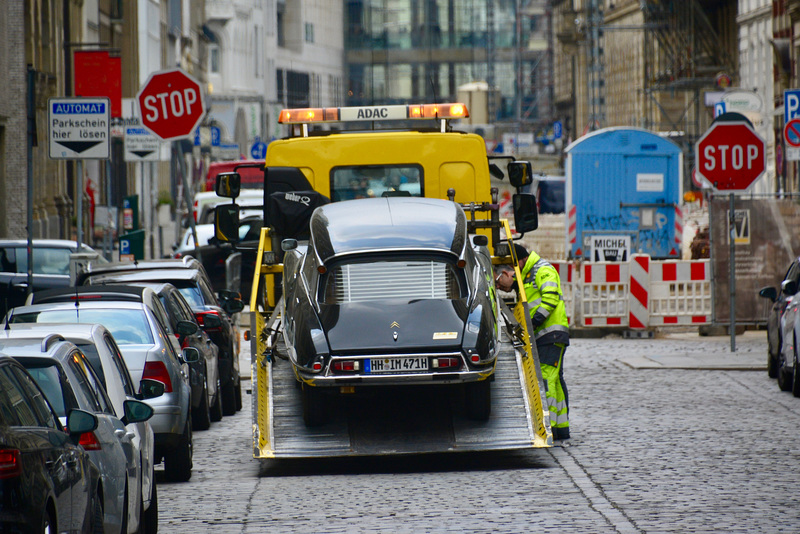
{"x": 129, "y": 327}
{"x": 368, "y": 181}
{"x": 45, "y": 260}
{"x": 381, "y": 280}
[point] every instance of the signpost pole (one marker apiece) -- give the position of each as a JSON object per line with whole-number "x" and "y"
{"x": 79, "y": 209}
{"x": 732, "y": 252}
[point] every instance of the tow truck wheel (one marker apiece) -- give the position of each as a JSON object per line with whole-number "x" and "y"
{"x": 479, "y": 400}
{"x": 313, "y": 405}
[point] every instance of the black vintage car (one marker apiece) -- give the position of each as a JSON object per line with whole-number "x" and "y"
{"x": 390, "y": 292}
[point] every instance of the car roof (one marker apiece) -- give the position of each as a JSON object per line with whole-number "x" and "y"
{"x": 47, "y": 346}
{"x": 152, "y": 275}
{"x": 388, "y": 223}
{"x": 86, "y": 294}
{"x": 68, "y": 330}
{"x": 187, "y": 262}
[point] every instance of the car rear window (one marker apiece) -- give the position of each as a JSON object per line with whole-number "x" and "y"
{"x": 129, "y": 327}
{"x": 45, "y": 260}
{"x": 369, "y": 181}
{"x": 381, "y": 280}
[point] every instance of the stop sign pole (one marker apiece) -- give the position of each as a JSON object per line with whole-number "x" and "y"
{"x": 171, "y": 106}
{"x": 731, "y": 156}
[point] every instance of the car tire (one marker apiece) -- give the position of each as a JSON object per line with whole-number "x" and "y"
{"x": 796, "y": 374}
{"x": 314, "y": 413}
{"x": 238, "y": 394}
{"x": 784, "y": 376}
{"x": 478, "y": 400}
{"x": 96, "y": 520}
{"x": 148, "y": 523}
{"x": 178, "y": 462}
{"x": 48, "y": 522}
{"x": 216, "y": 408}
{"x": 201, "y": 416}
{"x": 772, "y": 364}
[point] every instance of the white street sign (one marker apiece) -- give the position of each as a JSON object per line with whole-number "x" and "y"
{"x": 141, "y": 145}
{"x": 610, "y": 247}
{"x": 79, "y": 128}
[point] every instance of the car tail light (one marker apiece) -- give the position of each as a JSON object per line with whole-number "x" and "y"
{"x": 10, "y": 463}
{"x": 158, "y": 371}
{"x": 89, "y": 442}
{"x": 317, "y": 366}
{"x": 475, "y": 358}
{"x": 201, "y": 320}
{"x": 446, "y": 363}
{"x": 347, "y": 365}
{"x": 194, "y": 210}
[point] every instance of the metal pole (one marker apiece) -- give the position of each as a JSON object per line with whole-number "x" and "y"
{"x": 107, "y": 238}
{"x": 31, "y": 138}
{"x": 732, "y": 255}
{"x": 79, "y": 209}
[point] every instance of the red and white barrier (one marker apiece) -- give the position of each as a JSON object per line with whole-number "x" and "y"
{"x": 680, "y": 293}
{"x": 638, "y": 294}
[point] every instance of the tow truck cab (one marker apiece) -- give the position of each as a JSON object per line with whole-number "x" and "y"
{"x": 433, "y": 162}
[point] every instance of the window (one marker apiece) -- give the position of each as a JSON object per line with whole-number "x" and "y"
{"x": 309, "y": 32}
{"x": 213, "y": 58}
{"x": 45, "y": 260}
{"x": 90, "y": 383}
{"x": 119, "y": 364}
{"x": 381, "y": 280}
{"x": 129, "y": 327}
{"x": 369, "y": 181}
{"x": 49, "y": 380}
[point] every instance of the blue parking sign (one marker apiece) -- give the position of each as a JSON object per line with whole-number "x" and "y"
{"x": 124, "y": 246}
{"x": 791, "y": 105}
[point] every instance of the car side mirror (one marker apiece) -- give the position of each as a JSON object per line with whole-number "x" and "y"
{"x": 233, "y": 306}
{"x": 480, "y": 240}
{"x": 80, "y": 421}
{"x": 151, "y": 389}
{"x": 526, "y": 215}
{"x": 226, "y": 223}
{"x": 186, "y": 328}
{"x": 190, "y": 355}
{"x": 789, "y": 287}
{"x": 212, "y": 320}
{"x": 768, "y": 293}
{"x": 288, "y": 244}
{"x": 520, "y": 173}
{"x": 136, "y": 411}
{"x": 228, "y": 184}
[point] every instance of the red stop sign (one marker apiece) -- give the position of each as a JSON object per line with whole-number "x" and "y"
{"x": 171, "y": 104}
{"x": 731, "y": 156}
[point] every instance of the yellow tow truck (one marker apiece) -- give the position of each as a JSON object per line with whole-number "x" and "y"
{"x": 321, "y": 162}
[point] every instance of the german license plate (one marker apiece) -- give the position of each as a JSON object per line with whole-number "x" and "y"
{"x": 398, "y": 365}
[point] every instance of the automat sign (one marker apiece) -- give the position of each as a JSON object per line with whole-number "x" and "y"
{"x": 79, "y": 128}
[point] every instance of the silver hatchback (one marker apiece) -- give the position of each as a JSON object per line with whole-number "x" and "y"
{"x": 137, "y": 320}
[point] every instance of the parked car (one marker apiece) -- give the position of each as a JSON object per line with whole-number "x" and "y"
{"x": 47, "y": 481}
{"x": 788, "y": 366}
{"x": 780, "y": 301}
{"x": 206, "y": 393}
{"x": 105, "y": 357}
{"x": 213, "y": 255}
{"x": 68, "y": 381}
{"x": 51, "y": 259}
{"x": 213, "y": 315}
{"x": 390, "y": 291}
{"x": 137, "y": 320}
{"x": 204, "y": 202}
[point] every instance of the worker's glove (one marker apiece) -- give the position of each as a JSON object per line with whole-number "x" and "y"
{"x": 538, "y": 319}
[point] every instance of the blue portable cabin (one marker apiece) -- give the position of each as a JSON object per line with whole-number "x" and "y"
{"x": 624, "y": 181}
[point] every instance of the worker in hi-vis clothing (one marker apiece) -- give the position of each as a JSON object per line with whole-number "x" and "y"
{"x": 550, "y": 329}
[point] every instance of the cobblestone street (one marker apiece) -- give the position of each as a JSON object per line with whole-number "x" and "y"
{"x": 683, "y": 448}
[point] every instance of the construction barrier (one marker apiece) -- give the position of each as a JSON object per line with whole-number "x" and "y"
{"x": 637, "y": 294}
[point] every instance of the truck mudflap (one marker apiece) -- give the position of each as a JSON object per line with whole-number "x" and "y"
{"x": 429, "y": 421}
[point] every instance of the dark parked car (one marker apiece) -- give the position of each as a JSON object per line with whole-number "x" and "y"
{"x": 214, "y": 315}
{"x": 51, "y": 259}
{"x": 781, "y": 298}
{"x": 47, "y": 482}
{"x": 394, "y": 293}
{"x": 206, "y": 393}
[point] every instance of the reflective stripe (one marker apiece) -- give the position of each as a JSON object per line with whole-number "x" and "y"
{"x": 550, "y": 284}
{"x": 544, "y": 311}
{"x": 552, "y": 328}
{"x": 537, "y": 302}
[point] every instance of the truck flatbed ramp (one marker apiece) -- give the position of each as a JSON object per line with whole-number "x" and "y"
{"x": 380, "y": 421}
